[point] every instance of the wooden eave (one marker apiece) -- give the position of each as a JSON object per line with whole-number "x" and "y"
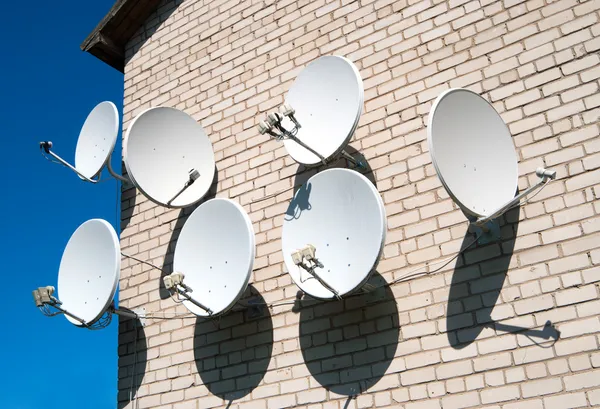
{"x": 108, "y": 40}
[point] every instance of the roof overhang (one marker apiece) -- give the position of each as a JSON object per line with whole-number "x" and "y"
{"x": 108, "y": 40}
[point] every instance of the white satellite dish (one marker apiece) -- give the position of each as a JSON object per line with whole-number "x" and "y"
{"x": 474, "y": 156}
{"x": 215, "y": 253}
{"x": 335, "y": 227}
{"x": 89, "y": 271}
{"x": 95, "y": 144}
{"x": 169, "y": 157}
{"x": 321, "y": 112}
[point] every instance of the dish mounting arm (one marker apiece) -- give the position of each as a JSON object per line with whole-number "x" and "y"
{"x": 44, "y": 299}
{"x": 174, "y": 282}
{"x": 193, "y": 176}
{"x": 275, "y": 128}
{"x": 115, "y": 174}
{"x": 45, "y": 147}
{"x": 545, "y": 176}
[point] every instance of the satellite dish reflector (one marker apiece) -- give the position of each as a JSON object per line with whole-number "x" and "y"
{"x": 97, "y": 139}
{"x": 472, "y": 151}
{"x": 89, "y": 271}
{"x": 321, "y": 112}
{"x": 215, "y": 253}
{"x": 169, "y": 157}
{"x": 474, "y": 156}
{"x": 95, "y": 144}
{"x": 334, "y": 233}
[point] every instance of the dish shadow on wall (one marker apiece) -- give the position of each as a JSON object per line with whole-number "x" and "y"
{"x": 300, "y": 200}
{"x": 133, "y": 357}
{"x": 349, "y": 345}
{"x": 476, "y": 288}
{"x": 167, "y": 267}
{"x": 232, "y": 354}
{"x": 304, "y": 173}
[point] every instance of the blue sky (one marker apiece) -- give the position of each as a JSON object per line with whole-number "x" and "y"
{"x": 48, "y": 87}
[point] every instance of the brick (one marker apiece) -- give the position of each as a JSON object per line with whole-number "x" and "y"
{"x": 417, "y": 376}
{"x": 576, "y": 345}
{"x": 579, "y": 135}
{"x": 542, "y": 387}
{"x": 492, "y": 362}
{"x": 501, "y": 394}
{"x": 567, "y": 401}
{"x": 576, "y": 295}
{"x": 466, "y": 400}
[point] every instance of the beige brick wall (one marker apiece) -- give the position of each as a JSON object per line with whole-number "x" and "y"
{"x": 470, "y": 335}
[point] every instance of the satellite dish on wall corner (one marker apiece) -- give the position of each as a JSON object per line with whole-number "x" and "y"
{"x": 321, "y": 112}
{"x": 87, "y": 278}
{"x": 95, "y": 144}
{"x": 474, "y": 156}
{"x": 214, "y": 257}
{"x": 169, "y": 157}
{"x": 334, "y": 233}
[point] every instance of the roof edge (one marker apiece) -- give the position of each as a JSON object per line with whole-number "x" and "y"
{"x": 108, "y": 40}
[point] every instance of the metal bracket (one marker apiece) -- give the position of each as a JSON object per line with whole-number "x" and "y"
{"x": 255, "y": 308}
{"x": 141, "y": 315}
{"x": 358, "y": 163}
{"x": 193, "y": 176}
{"x": 375, "y": 294}
{"x": 488, "y": 232}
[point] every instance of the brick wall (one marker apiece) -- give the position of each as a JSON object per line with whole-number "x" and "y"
{"x": 481, "y": 331}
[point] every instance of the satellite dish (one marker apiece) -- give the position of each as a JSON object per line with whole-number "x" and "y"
{"x": 169, "y": 157}
{"x": 472, "y": 151}
{"x": 95, "y": 144}
{"x": 215, "y": 252}
{"x": 97, "y": 139}
{"x": 335, "y": 227}
{"x": 321, "y": 112}
{"x": 89, "y": 271}
{"x": 474, "y": 156}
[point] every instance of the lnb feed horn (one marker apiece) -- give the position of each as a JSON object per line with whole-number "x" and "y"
{"x": 174, "y": 283}
{"x": 264, "y": 127}
{"x": 95, "y": 144}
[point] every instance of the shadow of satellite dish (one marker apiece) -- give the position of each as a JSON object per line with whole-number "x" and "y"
{"x": 477, "y": 283}
{"x": 232, "y": 360}
{"x": 133, "y": 360}
{"x": 349, "y": 345}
